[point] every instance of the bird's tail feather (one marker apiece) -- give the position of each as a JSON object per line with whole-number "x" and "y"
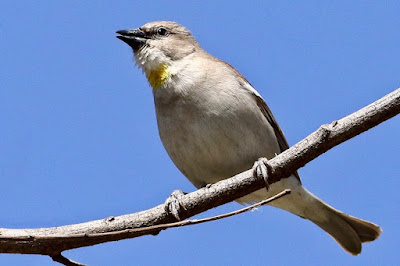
{"x": 348, "y": 231}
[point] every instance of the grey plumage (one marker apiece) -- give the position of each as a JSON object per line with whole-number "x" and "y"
{"x": 214, "y": 124}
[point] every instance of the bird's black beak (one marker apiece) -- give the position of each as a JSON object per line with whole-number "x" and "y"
{"x": 134, "y": 38}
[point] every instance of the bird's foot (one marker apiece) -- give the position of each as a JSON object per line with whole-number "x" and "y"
{"x": 173, "y": 205}
{"x": 261, "y": 169}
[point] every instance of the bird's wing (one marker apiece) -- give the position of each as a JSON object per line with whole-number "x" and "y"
{"x": 264, "y": 109}
{"x": 283, "y": 144}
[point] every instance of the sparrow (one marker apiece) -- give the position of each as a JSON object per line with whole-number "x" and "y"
{"x": 214, "y": 125}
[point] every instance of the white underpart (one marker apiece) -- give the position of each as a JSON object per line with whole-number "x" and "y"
{"x": 149, "y": 58}
{"x": 300, "y": 201}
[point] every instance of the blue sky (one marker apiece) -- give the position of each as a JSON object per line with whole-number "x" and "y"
{"x": 79, "y": 140}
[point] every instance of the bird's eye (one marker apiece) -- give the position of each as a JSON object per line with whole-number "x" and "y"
{"x": 162, "y": 31}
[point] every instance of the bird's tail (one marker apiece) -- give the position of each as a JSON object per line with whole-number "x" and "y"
{"x": 348, "y": 231}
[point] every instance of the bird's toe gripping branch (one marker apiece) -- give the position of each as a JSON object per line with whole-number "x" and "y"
{"x": 261, "y": 169}
{"x": 173, "y": 205}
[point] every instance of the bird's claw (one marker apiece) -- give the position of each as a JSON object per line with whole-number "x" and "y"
{"x": 261, "y": 168}
{"x": 173, "y": 205}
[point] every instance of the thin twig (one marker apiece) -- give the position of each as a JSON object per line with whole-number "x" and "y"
{"x": 65, "y": 261}
{"x": 196, "y": 221}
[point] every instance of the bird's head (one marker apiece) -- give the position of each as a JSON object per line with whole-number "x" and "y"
{"x": 157, "y": 46}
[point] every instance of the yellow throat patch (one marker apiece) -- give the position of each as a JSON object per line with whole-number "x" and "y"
{"x": 158, "y": 76}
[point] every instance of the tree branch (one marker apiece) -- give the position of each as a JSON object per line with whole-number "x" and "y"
{"x": 63, "y": 260}
{"x": 52, "y": 241}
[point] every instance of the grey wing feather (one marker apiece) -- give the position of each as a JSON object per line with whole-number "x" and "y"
{"x": 283, "y": 144}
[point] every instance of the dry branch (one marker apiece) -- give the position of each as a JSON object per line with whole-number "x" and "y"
{"x": 52, "y": 241}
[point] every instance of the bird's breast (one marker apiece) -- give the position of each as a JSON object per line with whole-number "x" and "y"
{"x": 213, "y": 140}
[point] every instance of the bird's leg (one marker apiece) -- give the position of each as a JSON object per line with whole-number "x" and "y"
{"x": 173, "y": 205}
{"x": 261, "y": 168}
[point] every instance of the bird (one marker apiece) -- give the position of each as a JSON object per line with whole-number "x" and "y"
{"x": 214, "y": 125}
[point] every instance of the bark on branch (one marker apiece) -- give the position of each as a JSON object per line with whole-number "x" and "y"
{"x": 52, "y": 241}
